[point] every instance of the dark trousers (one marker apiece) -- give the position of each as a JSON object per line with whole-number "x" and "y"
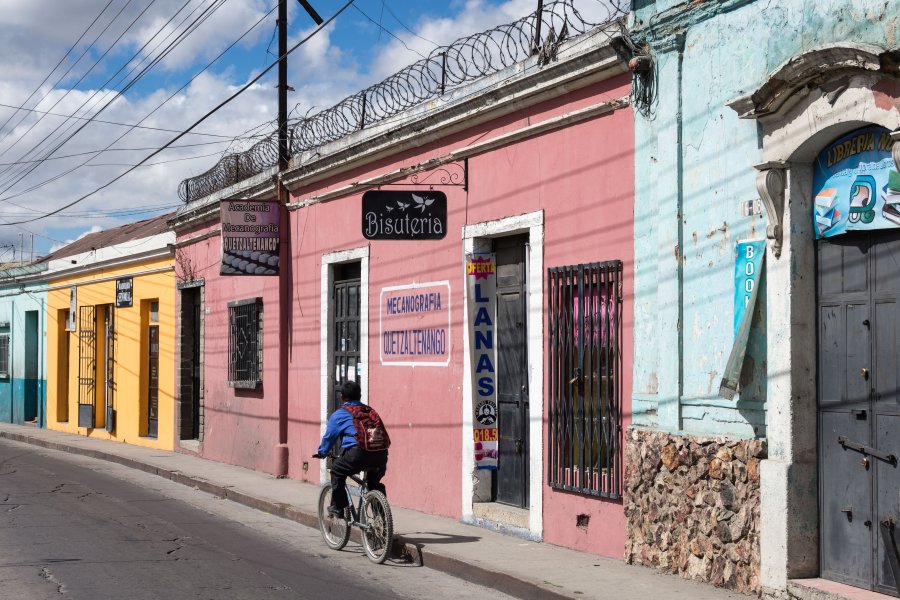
{"x": 353, "y": 460}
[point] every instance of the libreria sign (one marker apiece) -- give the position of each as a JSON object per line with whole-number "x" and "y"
{"x": 250, "y": 237}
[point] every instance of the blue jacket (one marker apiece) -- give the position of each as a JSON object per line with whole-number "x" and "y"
{"x": 340, "y": 424}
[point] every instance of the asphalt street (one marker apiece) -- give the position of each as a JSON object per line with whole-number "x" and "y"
{"x": 73, "y": 527}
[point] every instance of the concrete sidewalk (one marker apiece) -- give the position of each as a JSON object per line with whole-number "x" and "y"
{"x": 505, "y": 563}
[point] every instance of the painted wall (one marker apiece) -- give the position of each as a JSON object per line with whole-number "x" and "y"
{"x": 131, "y": 353}
{"x": 684, "y": 272}
{"x": 578, "y": 177}
{"x": 240, "y": 426}
{"x": 23, "y": 393}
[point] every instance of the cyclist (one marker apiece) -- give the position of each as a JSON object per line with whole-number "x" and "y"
{"x": 351, "y": 458}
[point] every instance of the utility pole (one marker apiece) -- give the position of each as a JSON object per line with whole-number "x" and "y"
{"x": 285, "y": 274}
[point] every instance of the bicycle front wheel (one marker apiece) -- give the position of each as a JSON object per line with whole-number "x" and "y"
{"x": 335, "y": 531}
{"x": 377, "y": 527}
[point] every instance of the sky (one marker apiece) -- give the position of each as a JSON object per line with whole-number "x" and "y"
{"x": 104, "y": 59}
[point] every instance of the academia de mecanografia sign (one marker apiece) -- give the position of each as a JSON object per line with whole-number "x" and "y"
{"x": 404, "y": 215}
{"x": 250, "y": 237}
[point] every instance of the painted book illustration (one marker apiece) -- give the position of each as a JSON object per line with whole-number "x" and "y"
{"x": 827, "y": 216}
{"x": 891, "y": 195}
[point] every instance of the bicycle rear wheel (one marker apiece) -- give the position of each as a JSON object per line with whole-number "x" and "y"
{"x": 377, "y": 527}
{"x": 335, "y": 531}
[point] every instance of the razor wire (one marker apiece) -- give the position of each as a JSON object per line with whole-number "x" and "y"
{"x": 445, "y": 69}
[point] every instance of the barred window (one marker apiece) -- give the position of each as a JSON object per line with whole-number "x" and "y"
{"x": 245, "y": 343}
{"x": 4, "y": 352}
{"x": 585, "y": 370}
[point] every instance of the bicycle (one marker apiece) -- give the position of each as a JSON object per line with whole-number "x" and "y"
{"x": 372, "y": 515}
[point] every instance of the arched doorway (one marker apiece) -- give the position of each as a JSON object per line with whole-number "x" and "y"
{"x": 857, "y": 225}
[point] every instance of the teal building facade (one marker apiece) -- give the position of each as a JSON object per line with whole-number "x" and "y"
{"x": 729, "y": 475}
{"x": 23, "y": 356}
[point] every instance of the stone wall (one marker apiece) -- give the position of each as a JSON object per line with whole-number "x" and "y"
{"x": 692, "y": 507}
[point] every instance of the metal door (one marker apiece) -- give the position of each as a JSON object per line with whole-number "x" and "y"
{"x": 87, "y": 365}
{"x": 859, "y": 408}
{"x": 110, "y": 356}
{"x": 512, "y": 378}
{"x": 153, "y": 372}
{"x": 345, "y": 329}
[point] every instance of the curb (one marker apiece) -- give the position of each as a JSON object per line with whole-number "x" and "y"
{"x": 405, "y": 551}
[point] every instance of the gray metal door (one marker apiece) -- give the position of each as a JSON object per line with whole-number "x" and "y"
{"x": 512, "y": 379}
{"x": 859, "y": 408}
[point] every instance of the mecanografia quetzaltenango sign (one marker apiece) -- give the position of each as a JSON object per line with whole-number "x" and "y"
{"x": 404, "y": 215}
{"x": 251, "y": 237}
{"x": 415, "y": 324}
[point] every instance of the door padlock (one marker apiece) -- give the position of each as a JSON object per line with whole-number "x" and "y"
{"x": 864, "y": 373}
{"x": 865, "y": 462}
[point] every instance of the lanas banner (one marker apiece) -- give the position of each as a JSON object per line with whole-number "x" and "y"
{"x": 251, "y": 237}
{"x": 855, "y": 184}
{"x": 481, "y": 282}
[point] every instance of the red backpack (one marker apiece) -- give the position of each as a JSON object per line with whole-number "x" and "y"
{"x": 371, "y": 435}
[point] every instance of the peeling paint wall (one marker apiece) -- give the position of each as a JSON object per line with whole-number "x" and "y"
{"x": 693, "y": 170}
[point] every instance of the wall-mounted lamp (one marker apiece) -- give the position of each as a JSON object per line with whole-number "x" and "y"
{"x": 770, "y": 186}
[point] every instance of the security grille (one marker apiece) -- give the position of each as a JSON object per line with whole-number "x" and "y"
{"x": 4, "y": 355}
{"x": 245, "y": 343}
{"x": 87, "y": 365}
{"x": 585, "y": 369}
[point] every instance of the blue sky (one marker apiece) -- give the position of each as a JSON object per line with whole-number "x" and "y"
{"x": 369, "y": 41}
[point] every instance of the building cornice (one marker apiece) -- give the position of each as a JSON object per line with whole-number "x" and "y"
{"x": 80, "y": 270}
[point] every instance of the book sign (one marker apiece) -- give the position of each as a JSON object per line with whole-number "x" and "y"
{"x": 124, "y": 292}
{"x": 250, "y": 237}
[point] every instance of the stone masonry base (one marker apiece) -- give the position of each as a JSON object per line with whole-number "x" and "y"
{"x": 692, "y": 507}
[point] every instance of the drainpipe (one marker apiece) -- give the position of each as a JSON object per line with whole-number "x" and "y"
{"x": 679, "y": 142}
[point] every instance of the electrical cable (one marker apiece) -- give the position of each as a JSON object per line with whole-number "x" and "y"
{"x": 58, "y": 133}
{"x": 31, "y": 169}
{"x": 53, "y": 70}
{"x": 240, "y": 91}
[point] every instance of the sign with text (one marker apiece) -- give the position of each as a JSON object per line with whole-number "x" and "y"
{"x": 250, "y": 237}
{"x": 124, "y": 292}
{"x": 747, "y": 273}
{"x": 415, "y": 324}
{"x": 481, "y": 287}
{"x": 393, "y": 215}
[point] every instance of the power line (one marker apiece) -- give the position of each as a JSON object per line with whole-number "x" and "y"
{"x": 203, "y": 118}
{"x": 31, "y": 95}
{"x": 388, "y": 31}
{"x": 215, "y": 6}
{"x": 113, "y": 76}
{"x": 131, "y": 125}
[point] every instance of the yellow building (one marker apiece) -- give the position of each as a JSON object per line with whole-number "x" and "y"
{"x": 111, "y": 335}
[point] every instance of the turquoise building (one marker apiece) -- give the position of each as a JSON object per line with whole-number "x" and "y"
{"x": 23, "y": 340}
{"x": 761, "y": 453}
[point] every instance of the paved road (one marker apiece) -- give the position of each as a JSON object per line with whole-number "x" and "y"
{"x": 76, "y": 528}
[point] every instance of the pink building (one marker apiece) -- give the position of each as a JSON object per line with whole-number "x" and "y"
{"x": 521, "y": 362}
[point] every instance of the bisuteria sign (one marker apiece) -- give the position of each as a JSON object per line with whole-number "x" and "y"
{"x": 481, "y": 282}
{"x": 404, "y": 215}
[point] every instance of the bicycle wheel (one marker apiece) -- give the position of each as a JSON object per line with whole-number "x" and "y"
{"x": 335, "y": 531}
{"x": 377, "y": 527}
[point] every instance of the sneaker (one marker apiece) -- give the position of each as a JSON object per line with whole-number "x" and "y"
{"x": 337, "y": 513}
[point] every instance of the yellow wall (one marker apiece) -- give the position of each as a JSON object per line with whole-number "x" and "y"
{"x": 131, "y": 354}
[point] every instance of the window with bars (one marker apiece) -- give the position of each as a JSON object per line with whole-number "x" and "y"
{"x": 585, "y": 368}
{"x": 4, "y": 351}
{"x": 245, "y": 343}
